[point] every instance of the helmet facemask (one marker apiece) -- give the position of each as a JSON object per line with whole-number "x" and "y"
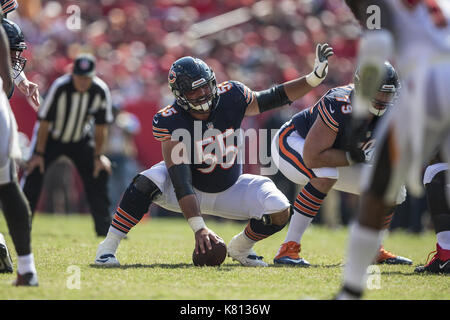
{"x": 194, "y": 86}
{"x": 384, "y": 99}
{"x": 205, "y": 102}
{"x": 17, "y": 62}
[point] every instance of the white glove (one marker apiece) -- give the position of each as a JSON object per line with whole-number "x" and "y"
{"x": 323, "y": 52}
{"x": 369, "y": 154}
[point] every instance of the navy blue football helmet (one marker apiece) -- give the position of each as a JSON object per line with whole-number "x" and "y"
{"x": 16, "y": 44}
{"x": 387, "y": 92}
{"x": 188, "y": 74}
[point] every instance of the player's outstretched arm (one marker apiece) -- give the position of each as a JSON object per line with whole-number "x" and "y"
{"x": 290, "y": 91}
{"x": 180, "y": 174}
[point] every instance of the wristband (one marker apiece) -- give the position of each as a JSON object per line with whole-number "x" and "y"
{"x": 97, "y": 156}
{"x": 20, "y": 77}
{"x": 313, "y": 80}
{"x": 196, "y": 223}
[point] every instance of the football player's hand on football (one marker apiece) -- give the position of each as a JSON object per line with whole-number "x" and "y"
{"x": 31, "y": 91}
{"x": 203, "y": 238}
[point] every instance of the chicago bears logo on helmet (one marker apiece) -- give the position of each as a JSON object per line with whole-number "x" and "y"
{"x": 172, "y": 76}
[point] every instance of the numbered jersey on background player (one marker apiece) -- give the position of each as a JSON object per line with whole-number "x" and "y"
{"x": 214, "y": 143}
{"x": 335, "y": 109}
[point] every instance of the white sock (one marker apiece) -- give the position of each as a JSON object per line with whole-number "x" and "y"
{"x": 244, "y": 242}
{"x": 297, "y": 227}
{"x": 363, "y": 247}
{"x": 443, "y": 239}
{"x": 25, "y": 264}
{"x": 111, "y": 242}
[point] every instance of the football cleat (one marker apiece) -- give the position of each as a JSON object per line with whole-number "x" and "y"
{"x": 386, "y": 257}
{"x": 107, "y": 260}
{"x": 289, "y": 254}
{"x": 246, "y": 257}
{"x": 6, "y": 265}
{"x": 26, "y": 280}
{"x": 440, "y": 263}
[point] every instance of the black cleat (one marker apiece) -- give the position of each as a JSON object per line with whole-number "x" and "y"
{"x": 27, "y": 280}
{"x": 440, "y": 263}
{"x": 6, "y": 265}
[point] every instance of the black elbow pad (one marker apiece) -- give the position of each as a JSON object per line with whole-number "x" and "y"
{"x": 181, "y": 177}
{"x": 272, "y": 98}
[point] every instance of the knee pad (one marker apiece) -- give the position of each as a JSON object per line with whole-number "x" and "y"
{"x": 138, "y": 196}
{"x": 146, "y": 186}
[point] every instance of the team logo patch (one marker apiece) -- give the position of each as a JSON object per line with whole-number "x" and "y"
{"x": 84, "y": 64}
{"x": 172, "y": 76}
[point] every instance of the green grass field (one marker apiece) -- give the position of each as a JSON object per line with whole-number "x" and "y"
{"x": 156, "y": 264}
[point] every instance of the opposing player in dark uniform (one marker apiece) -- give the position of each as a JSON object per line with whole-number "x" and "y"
{"x": 14, "y": 203}
{"x": 311, "y": 150}
{"x": 203, "y": 174}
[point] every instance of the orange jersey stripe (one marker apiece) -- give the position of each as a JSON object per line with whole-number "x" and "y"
{"x": 328, "y": 114}
{"x": 290, "y": 155}
{"x": 325, "y": 119}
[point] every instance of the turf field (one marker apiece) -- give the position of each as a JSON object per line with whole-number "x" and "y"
{"x": 156, "y": 264}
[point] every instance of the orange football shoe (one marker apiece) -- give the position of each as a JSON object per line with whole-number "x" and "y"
{"x": 289, "y": 254}
{"x": 386, "y": 257}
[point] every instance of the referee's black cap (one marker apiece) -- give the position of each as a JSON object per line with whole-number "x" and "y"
{"x": 84, "y": 65}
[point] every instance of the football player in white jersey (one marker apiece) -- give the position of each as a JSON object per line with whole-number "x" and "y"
{"x": 14, "y": 204}
{"x": 416, "y": 34}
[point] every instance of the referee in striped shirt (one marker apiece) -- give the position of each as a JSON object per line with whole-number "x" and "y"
{"x": 73, "y": 104}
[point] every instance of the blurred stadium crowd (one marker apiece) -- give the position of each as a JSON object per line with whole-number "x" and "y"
{"x": 259, "y": 43}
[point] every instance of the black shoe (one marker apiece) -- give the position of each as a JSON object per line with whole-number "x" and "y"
{"x": 27, "y": 280}
{"x": 440, "y": 263}
{"x": 6, "y": 265}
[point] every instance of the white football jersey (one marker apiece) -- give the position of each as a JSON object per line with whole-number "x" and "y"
{"x": 421, "y": 28}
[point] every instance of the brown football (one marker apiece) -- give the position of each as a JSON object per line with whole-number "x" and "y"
{"x": 213, "y": 257}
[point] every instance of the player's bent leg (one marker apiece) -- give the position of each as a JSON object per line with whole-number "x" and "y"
{"x": 435, "y": 189}
{"x": 268, "y": 209}
{"x": 240, "y": 247}
{"x": 134, "y": 204}
{"x": 305, "y": 208}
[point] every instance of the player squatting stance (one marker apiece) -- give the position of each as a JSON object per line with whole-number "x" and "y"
{"x": 211, "y": 187}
